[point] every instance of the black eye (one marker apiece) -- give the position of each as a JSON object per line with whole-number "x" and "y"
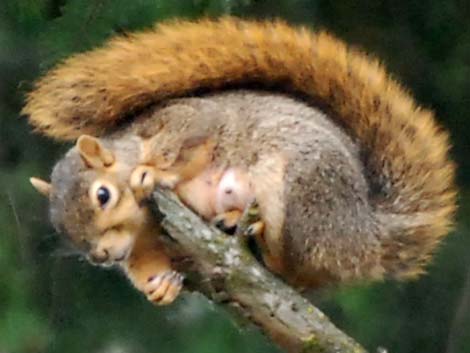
{"x": 103, "y": 195}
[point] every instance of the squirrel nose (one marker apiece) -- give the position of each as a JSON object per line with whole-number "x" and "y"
{"x": 99, "y": 257}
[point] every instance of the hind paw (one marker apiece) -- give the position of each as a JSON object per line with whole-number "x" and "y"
{"x": 227, "y": 221}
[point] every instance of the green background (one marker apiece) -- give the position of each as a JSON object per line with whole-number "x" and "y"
{"x": 53, "y": 301}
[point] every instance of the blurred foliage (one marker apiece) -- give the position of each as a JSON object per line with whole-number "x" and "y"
{"x": 52, "y": 301}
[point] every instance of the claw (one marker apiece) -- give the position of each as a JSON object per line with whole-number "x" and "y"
{"x": 255, "y": 229}
{"x": 227, "y": 221}
{"x": 250, "y": 217}
{"x": 251, "y": 228}
{"x": 163, "y": 289}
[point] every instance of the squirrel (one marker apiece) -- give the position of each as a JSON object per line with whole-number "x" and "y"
{"x": 351, "y": 178}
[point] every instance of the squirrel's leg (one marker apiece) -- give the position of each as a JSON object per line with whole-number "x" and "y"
{"x": 144, "y": 179}
{"x": 149, "y": 269}
{"x": 328, "y": 230}
{"x": 263, "y": 219}
{"x": 194, "y": 156}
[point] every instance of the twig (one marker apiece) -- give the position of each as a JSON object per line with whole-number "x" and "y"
{"x": 222, "y": 268}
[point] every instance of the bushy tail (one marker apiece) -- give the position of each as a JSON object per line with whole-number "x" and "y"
{"x": 404, "y": 151}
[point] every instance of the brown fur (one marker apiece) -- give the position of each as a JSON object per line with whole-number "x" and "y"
{"x": 403, "y": 150}
{"x": 124, "y": 233}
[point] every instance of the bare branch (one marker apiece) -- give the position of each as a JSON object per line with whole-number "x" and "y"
{"x": 222, "y": 268}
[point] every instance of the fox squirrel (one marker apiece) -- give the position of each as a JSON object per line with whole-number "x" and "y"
{"x": 351, "y": 178}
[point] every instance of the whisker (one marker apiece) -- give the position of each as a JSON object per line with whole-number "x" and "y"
{"x": 22, "y": 236}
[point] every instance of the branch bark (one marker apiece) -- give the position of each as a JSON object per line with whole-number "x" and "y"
{"x": 223, "y": 269}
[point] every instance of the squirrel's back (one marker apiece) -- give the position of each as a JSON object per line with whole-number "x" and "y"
{"x": 403, "y": 150}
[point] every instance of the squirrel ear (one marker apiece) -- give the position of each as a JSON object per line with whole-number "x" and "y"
{"x": 93, "y": 153}
{"x": 42, "y": 186}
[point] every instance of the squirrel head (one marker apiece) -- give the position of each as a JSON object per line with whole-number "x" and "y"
{"x": 90, "y": 199}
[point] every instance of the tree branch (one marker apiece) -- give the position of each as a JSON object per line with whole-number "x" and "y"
{"x": 223, "y": 269}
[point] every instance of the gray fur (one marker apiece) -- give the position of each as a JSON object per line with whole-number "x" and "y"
{"x": 328, "y": 226}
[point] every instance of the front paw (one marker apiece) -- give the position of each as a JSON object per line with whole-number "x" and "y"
{"x": 163, "y": 288}
{"x": 143, "y": 181}
{"x": 167, "y": 179}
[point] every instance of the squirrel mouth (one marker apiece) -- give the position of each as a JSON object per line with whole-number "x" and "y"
{"x": 105, "y": 259}
{"x": 122, "y": 257}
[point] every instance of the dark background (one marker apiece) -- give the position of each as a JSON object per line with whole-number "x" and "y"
{"x": 51, "y": 301}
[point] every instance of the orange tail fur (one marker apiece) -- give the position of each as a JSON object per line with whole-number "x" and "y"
{"x": 404, "y": 151}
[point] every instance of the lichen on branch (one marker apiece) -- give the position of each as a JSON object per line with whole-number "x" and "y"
{"x": 224, "y": 270}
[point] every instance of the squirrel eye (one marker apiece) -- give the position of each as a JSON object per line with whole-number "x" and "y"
{"x": 103, "y": 195}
